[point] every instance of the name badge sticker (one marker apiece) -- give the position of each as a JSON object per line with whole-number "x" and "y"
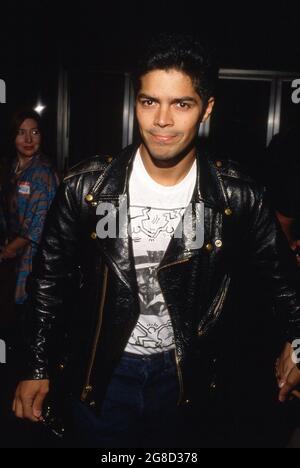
{"x": 24, "y": 188}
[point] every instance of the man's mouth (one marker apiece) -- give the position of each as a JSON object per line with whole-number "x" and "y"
{"x": 163, "y": 138}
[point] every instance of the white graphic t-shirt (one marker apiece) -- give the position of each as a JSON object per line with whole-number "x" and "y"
{"x": 155, "y": 212}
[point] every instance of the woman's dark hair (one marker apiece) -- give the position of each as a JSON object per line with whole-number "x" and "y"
{"x": 19, "y": 117}
{"x": 15, "y": 123}
{"x": 183, "y": 53}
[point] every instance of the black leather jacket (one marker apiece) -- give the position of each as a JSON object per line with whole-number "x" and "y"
{"x": 83, "y": 290}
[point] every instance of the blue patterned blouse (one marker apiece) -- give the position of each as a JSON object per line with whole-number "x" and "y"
{"x": 29, "y": 201}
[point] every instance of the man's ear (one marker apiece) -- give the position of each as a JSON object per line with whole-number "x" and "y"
{"x": 209, "y": 109}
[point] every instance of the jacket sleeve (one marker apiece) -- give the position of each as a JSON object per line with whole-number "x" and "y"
{"x": 54, "y": 263}
{"x": 275, "y": 264}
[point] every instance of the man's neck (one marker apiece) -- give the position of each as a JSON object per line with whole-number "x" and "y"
{"x": 168, "y": 174}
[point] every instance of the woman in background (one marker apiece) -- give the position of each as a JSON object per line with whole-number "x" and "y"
{"x": 29, "y": 192}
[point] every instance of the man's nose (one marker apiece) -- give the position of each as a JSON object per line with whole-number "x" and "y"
{"x": 163, "y": 117}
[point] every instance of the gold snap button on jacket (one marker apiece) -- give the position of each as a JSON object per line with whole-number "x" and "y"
{"x": 89, "y": 197}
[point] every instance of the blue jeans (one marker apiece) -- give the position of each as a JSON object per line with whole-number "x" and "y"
{"x": 139, "y": 409}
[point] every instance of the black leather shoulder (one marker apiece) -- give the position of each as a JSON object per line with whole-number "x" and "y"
{"x": 228, "y": 168}
{"x": 93, "y": 164}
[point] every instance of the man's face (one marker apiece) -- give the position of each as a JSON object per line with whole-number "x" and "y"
{"x": 28, "y": 139}
{"x": 169, "y": 112}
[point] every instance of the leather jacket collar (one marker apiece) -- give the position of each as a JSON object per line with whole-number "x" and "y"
{"x": 114, "y": 181}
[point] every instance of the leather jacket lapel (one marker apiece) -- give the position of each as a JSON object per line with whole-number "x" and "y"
{"x": 110, "y": 191}
{"x": 206, "y": 208}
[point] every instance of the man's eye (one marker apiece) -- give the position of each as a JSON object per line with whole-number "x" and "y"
{"x": 183, "y": 105}
{"x": 35, "y": 132}
{"x": 147, "y": 102}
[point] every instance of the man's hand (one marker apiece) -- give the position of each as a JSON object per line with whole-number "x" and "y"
{"x": 287, "y": 374}
{"x": 292, "y": 381}
{"x": 29, "y": 398}
{"x": 287, "y": 227}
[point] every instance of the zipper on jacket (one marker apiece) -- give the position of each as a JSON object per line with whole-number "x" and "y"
{"x": 174, "y": 263}
{"x": 88, "y": 388}
{"x": 225, "y": 283}
{"x": 179, "y": 371}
